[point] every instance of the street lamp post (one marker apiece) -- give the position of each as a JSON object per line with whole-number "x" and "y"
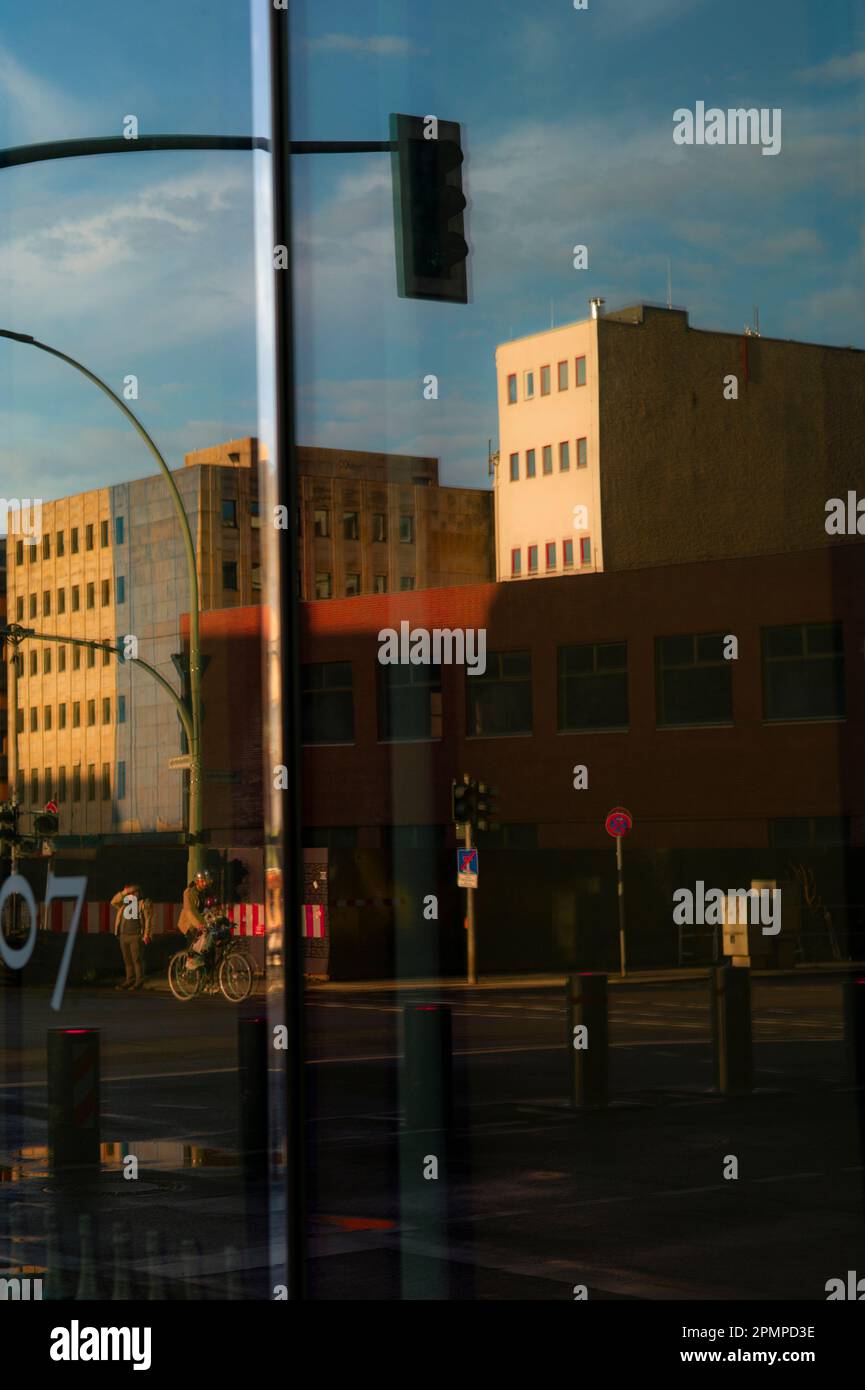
{"x": 195, "y": 796}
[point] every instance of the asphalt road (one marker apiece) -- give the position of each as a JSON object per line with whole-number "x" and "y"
{"x": 532, "y": 1199}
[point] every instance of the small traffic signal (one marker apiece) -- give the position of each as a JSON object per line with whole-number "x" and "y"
{"x": 462, "y": 801}
{"x": 428, "y": 205}
{"x": 486, "y": 806}
{"x": 46, "y": 823}
{"x": 8, "y": 823}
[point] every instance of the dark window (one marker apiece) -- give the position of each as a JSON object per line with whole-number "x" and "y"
{"x": 46, "y": 546}
{"x": 803, "y": 671}
{"x": 121, "y": 709}
{"x": 406, "y": 582}
{"x": 19, "y": 552}
{"x": 409, "y": 702}
{"x": 46, "y": 603}
{"x": 545, "y": 381}
{"x": 229, "y": 574}
{"x": 103, "y": 533}
{"x": 121, "y": 781}
{"x": 350, "y": 526}
{"x": 693, "y": 682}
{"x": 61, "y": 784}
{"x": 61, "y": 658}
{"x": 500, "y": 701}
{"x": 563, "y": 376}
{"x": 352, "y": 584}
{"x": 91, "y": 713}
{"x": 531, "y": 468}
{"x": 119, "y": 536}
{"x": 121, "y": 589}
{"x": 76, "y": 658}
{"x": 46, "y": 661}
{"x": 327, "y": 702}
{"x": 91, "y": 657}
{"x": 106, "y": 709}
{"x": 581, "y": 371}
{"x": 61, "y": 601}
{"x": 106, "y": 592}
{"x": 106, "y": 781}
{"x": 76, "y": 598}
{"x": 88, "y": 536}
{"x": 48, "y": 785}
{"x": 46, "y": 719}
{"x": 91, "y": 595}
{"x": 33, "y": 602}
{"x": 61, "y": 550}
{"x": 19, "y": 608}
{"x": 34, "y": 785}
{"x": 512, "y": 389}
{"x": 593, "y": 686}
{"x": 74, "y": 536}
{"x": 321, "y": 522}
{"x": 379, "y": 526}
{"x": 61, "y": 716}
{"x": 34, "y": 662}
{"x": 547, "y": 458}
{"x": 515, "y": 468}
{"x": 91, "y": 781}
{"x": 406, "y": 529}
{"x": 379, "y": 584}
{"x": 323, "y": 586}
{"x": 34, "y": 719}
{"x": 76, "y": 782}
{"x": 229, "y": 511}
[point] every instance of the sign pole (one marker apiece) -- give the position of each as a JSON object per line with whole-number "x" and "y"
{"x": 471, "y": 958}
{"x": 620, "y": 889}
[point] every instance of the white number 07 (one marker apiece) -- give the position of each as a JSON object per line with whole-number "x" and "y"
{"x": 17, "y": 958}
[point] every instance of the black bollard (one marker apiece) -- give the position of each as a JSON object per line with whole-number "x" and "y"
{"x": 731, "y": 1029}
{"x": 587, "y": 1040}
{"x": 73, "y": 1103}
{"x": 426, "y": 1150}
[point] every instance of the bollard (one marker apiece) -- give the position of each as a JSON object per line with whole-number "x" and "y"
{"x": 731, "y": 1029}
{"x": 87, "y": 1285}
{"x": 73, "y": 1102}
{"x": 586, "y": 1009}
{"x": 426, "y": 1148}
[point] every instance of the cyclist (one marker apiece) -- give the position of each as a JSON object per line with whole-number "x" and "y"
{"x": 195, "y": 900}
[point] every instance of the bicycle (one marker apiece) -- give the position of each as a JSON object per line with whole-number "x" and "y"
{"x": 223, "y": 966}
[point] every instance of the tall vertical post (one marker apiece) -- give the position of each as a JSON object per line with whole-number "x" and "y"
{"x": 73, "y": 1103}
{"x": 471, "y": 943}
{"x": 620, "y": 893}
{"x": 587, "y": 1040}
{"x": 731, "y": 1029}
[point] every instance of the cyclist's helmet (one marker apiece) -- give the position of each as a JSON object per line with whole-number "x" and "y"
{"x": 203, "y": 878}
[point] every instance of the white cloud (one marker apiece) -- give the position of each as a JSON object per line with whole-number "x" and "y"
{"x": 848, "y": 68}
{"x": 376, "y": 45}
{"x": 32, "y": 109}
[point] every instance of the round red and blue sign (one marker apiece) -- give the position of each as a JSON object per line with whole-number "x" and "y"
{"x": 618, "y": 822}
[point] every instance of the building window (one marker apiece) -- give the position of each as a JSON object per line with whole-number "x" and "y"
{"x": 256, "y": 578}
{"x": 91, "y": 595}
{"x": 32, "y": 553}
{"x": 48, "y": 785}
{"x": 229, "y": 511}
{"x": 106, "y": 592}
{"x": 803, "y": 671}
{"x": 106, "y": 653}
{"x": 121, "y": 589}
{"x": 106, "y": 781}
{"x": 551, "y": 555}
{"x": 61, "y": 716}
{"x": 693, "y": 682}
{"x": 327, "y": 702}
{"x": 46, "y": 719}
{"x": 547, "y": 458}
{"x": 60, "y": 547}
{"x": 19, "y": 721}
{"x": 34, "y": 785}
{"x": 76, "y": 658}
{"x": 350, "y": 526}
{"x": 103, "y": 534}
{"x": 106, "y": 709}
{"x": 567, "y": 554}
{"x": 91, "y": 714}
{"x": 74, "y": 537}
{"x": 323, "y": 586}
{"x": 19, "y": 608}
{"x": 500, "y": 701}
{"x": 61, "y": 784}
{"x": 46, "y": 546}
{"x": 593, "y": 686}
{"x": 409, "y": 702}
{"x": 88, "y": 536}
{"x": 34, "y": 662}
{"x": 76, "y": 782}
{"x": 516, "y": 563}
{"x": 379, "y": 527}
{"x": 46, "y": 661}
{"x": 545, "y": 381}
{"x": 61, "y": 602}
{"x": 585, "y": 550}
{"x": 563, "y": 376}
{"x": 46, "y": 603}
{"x": 119, "y": 535}
{"x": 91, "y": 658}
{"x": 33, "y": 602}
{"x": 19, "y": 552}
{"x": 582, "y": 453}
{"x": 34, "y": 720}
{"x": 229, "y": 574}
{"x": 121, "y": 781}
{"x": 528, "y": 385}
{"x": 121, "y": 709}
{"x": 581, "y": 371}
{"x": 406, "y": 530}
{"x": 515, "y": 468}
{"x": 61, "y": 658}
{"x": 91, "y": 781}
{"x": 76, "y": 598}
{"x": 321, "y": 523}
{"x": 533, "y": 559}
{"x": 352, "y": 585}
{"x": 379, "y": 584}
{"x": 406, "y": 582}
{"x": 512, "y": 389}
{"x": 564, "y": 456}
{"x": 531, "y": 468}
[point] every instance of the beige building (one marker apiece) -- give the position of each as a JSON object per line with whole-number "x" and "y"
{"x": 697, "y": 445}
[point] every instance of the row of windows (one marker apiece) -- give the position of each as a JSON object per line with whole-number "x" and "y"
{"x": 564, "y": 453}
{"x": 90, "y": 711}
{"x": 74, "y": 541}
{"x": 545, "y": 380}
{"x": 91, "y": 786}
{"x": 324, "y": 584}
{"x": 803, "y": 678}
{"x": 74, "y": 599}
{"x": 550, "y": 556}
{"x": 351, "y": 526}
{"x": 47, "y": 658}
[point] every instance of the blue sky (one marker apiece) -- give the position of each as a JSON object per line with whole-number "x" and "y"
{"x": 145, "y": 263}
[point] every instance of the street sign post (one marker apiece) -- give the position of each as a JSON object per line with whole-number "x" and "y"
{"x": 619, "y": 823}
{"x": 467, "y": 868}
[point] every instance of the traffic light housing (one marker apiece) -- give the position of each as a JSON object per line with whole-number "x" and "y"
{"x": 428, "y": 205}
{"x": 486, "y": 806}
{"x": 8, "y": 824}
{"x": 46, "y": 823}
{"x": 463, "y": 802}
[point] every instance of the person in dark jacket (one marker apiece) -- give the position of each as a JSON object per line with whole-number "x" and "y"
{"x": 133, "y": 926}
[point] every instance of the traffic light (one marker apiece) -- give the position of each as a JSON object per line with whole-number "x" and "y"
{"x": 8, "y": 824}
{"x": 428, "y": 204}
{"x": 485, "y": 806}
{"x": 463, "y": 801}
{"x": 46, "y": 823}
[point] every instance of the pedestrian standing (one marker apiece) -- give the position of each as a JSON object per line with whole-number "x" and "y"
{"x": 133, "y": 922}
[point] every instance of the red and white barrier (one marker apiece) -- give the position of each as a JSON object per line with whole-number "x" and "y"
{"x": 247, "y": 919}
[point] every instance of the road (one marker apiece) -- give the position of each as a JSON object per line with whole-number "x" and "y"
{"x": 631, "y": 1202}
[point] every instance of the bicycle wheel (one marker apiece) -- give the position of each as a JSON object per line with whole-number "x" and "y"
{"x": 235, "y": 976}
{"x": 183, "y": 983}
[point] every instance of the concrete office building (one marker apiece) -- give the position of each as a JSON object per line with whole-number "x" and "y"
{"x": 681, "y": 444}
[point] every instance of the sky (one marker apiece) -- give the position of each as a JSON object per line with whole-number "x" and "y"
{"x": 144, "y": 263}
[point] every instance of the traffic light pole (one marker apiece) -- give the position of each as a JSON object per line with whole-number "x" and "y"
{"x": 471, "y": 942}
